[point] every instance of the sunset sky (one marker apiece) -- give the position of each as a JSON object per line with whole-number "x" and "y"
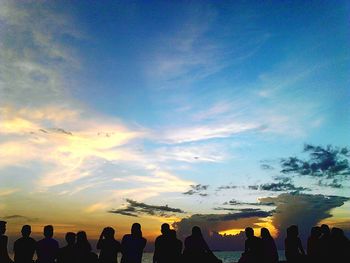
{"x": 187, "y": 112}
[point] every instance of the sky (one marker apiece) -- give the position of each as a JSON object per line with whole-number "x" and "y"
{"x": 222, "y": 114}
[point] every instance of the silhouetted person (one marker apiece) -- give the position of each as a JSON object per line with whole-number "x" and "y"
{"x": 340, "y": 246}
{"x": 67, "y": 254}
{"x": 269, "y": 248}
{"x": 313, "y": 245}
{"x": 4, "y": 256}
{"x": 133, "y": 245}
{"x": 109, "y": 246}
{"x": 25, "y": 246}
{"x": 325, "y": 239}
{"x": 82, "y": 248}
{"x": 253, "y": 247}
{"x": 196, "y": 249}
{"x": 175, "y": 247}
{"x": 161, "y": 249}
{"x": 47, "y": 247}
{"x": 293, "y": 248}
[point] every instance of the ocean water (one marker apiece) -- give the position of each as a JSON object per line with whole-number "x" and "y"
{"x": 225, "y": 256}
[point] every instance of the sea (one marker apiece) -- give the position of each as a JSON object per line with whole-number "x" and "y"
{"x": 225, "y": 256}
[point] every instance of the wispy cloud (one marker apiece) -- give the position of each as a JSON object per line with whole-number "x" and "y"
{"x": 134, "y": 208}
{"x": 33, "y": 60}
{"x": 73, "y": 153}
{"x": 206, "y": 132}
{"x": 196, "y": 153}
{"x": 7, "y": 191}
{"x": 197, "y": 189}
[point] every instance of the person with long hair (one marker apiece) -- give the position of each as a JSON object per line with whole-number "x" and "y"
{"x": 313, "y": 245}
{"x": 269, "y": 249}
{"x": 133, "y": 245}
{"x": 82, "y": 247}
{"x": 196, "y": 249}
{"x": 293, "y": 248}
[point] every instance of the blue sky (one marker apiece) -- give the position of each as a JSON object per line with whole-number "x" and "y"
{"x": 109, "y": 100}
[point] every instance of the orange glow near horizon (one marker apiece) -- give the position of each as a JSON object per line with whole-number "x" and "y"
{"x": 266, "y": 223}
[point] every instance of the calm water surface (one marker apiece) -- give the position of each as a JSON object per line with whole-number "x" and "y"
{"x": 225, "y": 256}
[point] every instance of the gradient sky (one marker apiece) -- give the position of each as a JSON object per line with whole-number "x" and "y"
{"x": 104, "y": 103}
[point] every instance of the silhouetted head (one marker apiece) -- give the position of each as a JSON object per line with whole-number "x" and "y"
{"x": 337, "y": 233}
{"x": 249, "y": 232}
{"x": 196, "y": 231}
{"x": 265, "y": 233}
{"x": 81, "y": 237}
{"x": 108, "y": 232}
{"x": 70, "y": 238}
{"x": 26, "y": 230}
{"x": 292, "y": 231}
{"x": 2, "y": 227}
{"x": 48, "y": 231}
{"x": 325, "y": 230}
{"x": 165, "y": 229}
{"x": 172, "y": 234}
{"x": 316, "y": 232}
{"x": 136, "y": 230}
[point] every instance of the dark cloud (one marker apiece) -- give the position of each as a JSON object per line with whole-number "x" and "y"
{"x": 211, "y": 224}
{"x": 235, "y": 202}
{"x": 283, "y": 184}
{"x": 20, "y": 218}
{"x": 334, "y": 183}
{"x": 304, "y": 210}
{"x": 278, "y": 187}
{"x": 265, "y": 166}
{"x": 56, "y": 130}
{"x": 197, "y": 189}
{"x": 135, "y": 209}
{"x": 237, "y": 209}
{"x": 253, "y": 187}
{"x": 323, "y": 162}
{"x": 226, "y": 187}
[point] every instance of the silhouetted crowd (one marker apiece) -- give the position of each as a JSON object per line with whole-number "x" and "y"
{"x": 324, "y": 245}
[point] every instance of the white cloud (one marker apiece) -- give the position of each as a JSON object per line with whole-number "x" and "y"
{"x": 71, "y": 153}
{"x": 206, "y": 132}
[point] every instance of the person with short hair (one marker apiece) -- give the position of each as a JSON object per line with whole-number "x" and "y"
{"x": 24, "y": 247}
{"x": 253, "y": 247}
{"x": 4, "y": 255}
{"x": 47, "y": 248}
{"x": 67, "y": 254}
{"x": 160, "y": 254}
